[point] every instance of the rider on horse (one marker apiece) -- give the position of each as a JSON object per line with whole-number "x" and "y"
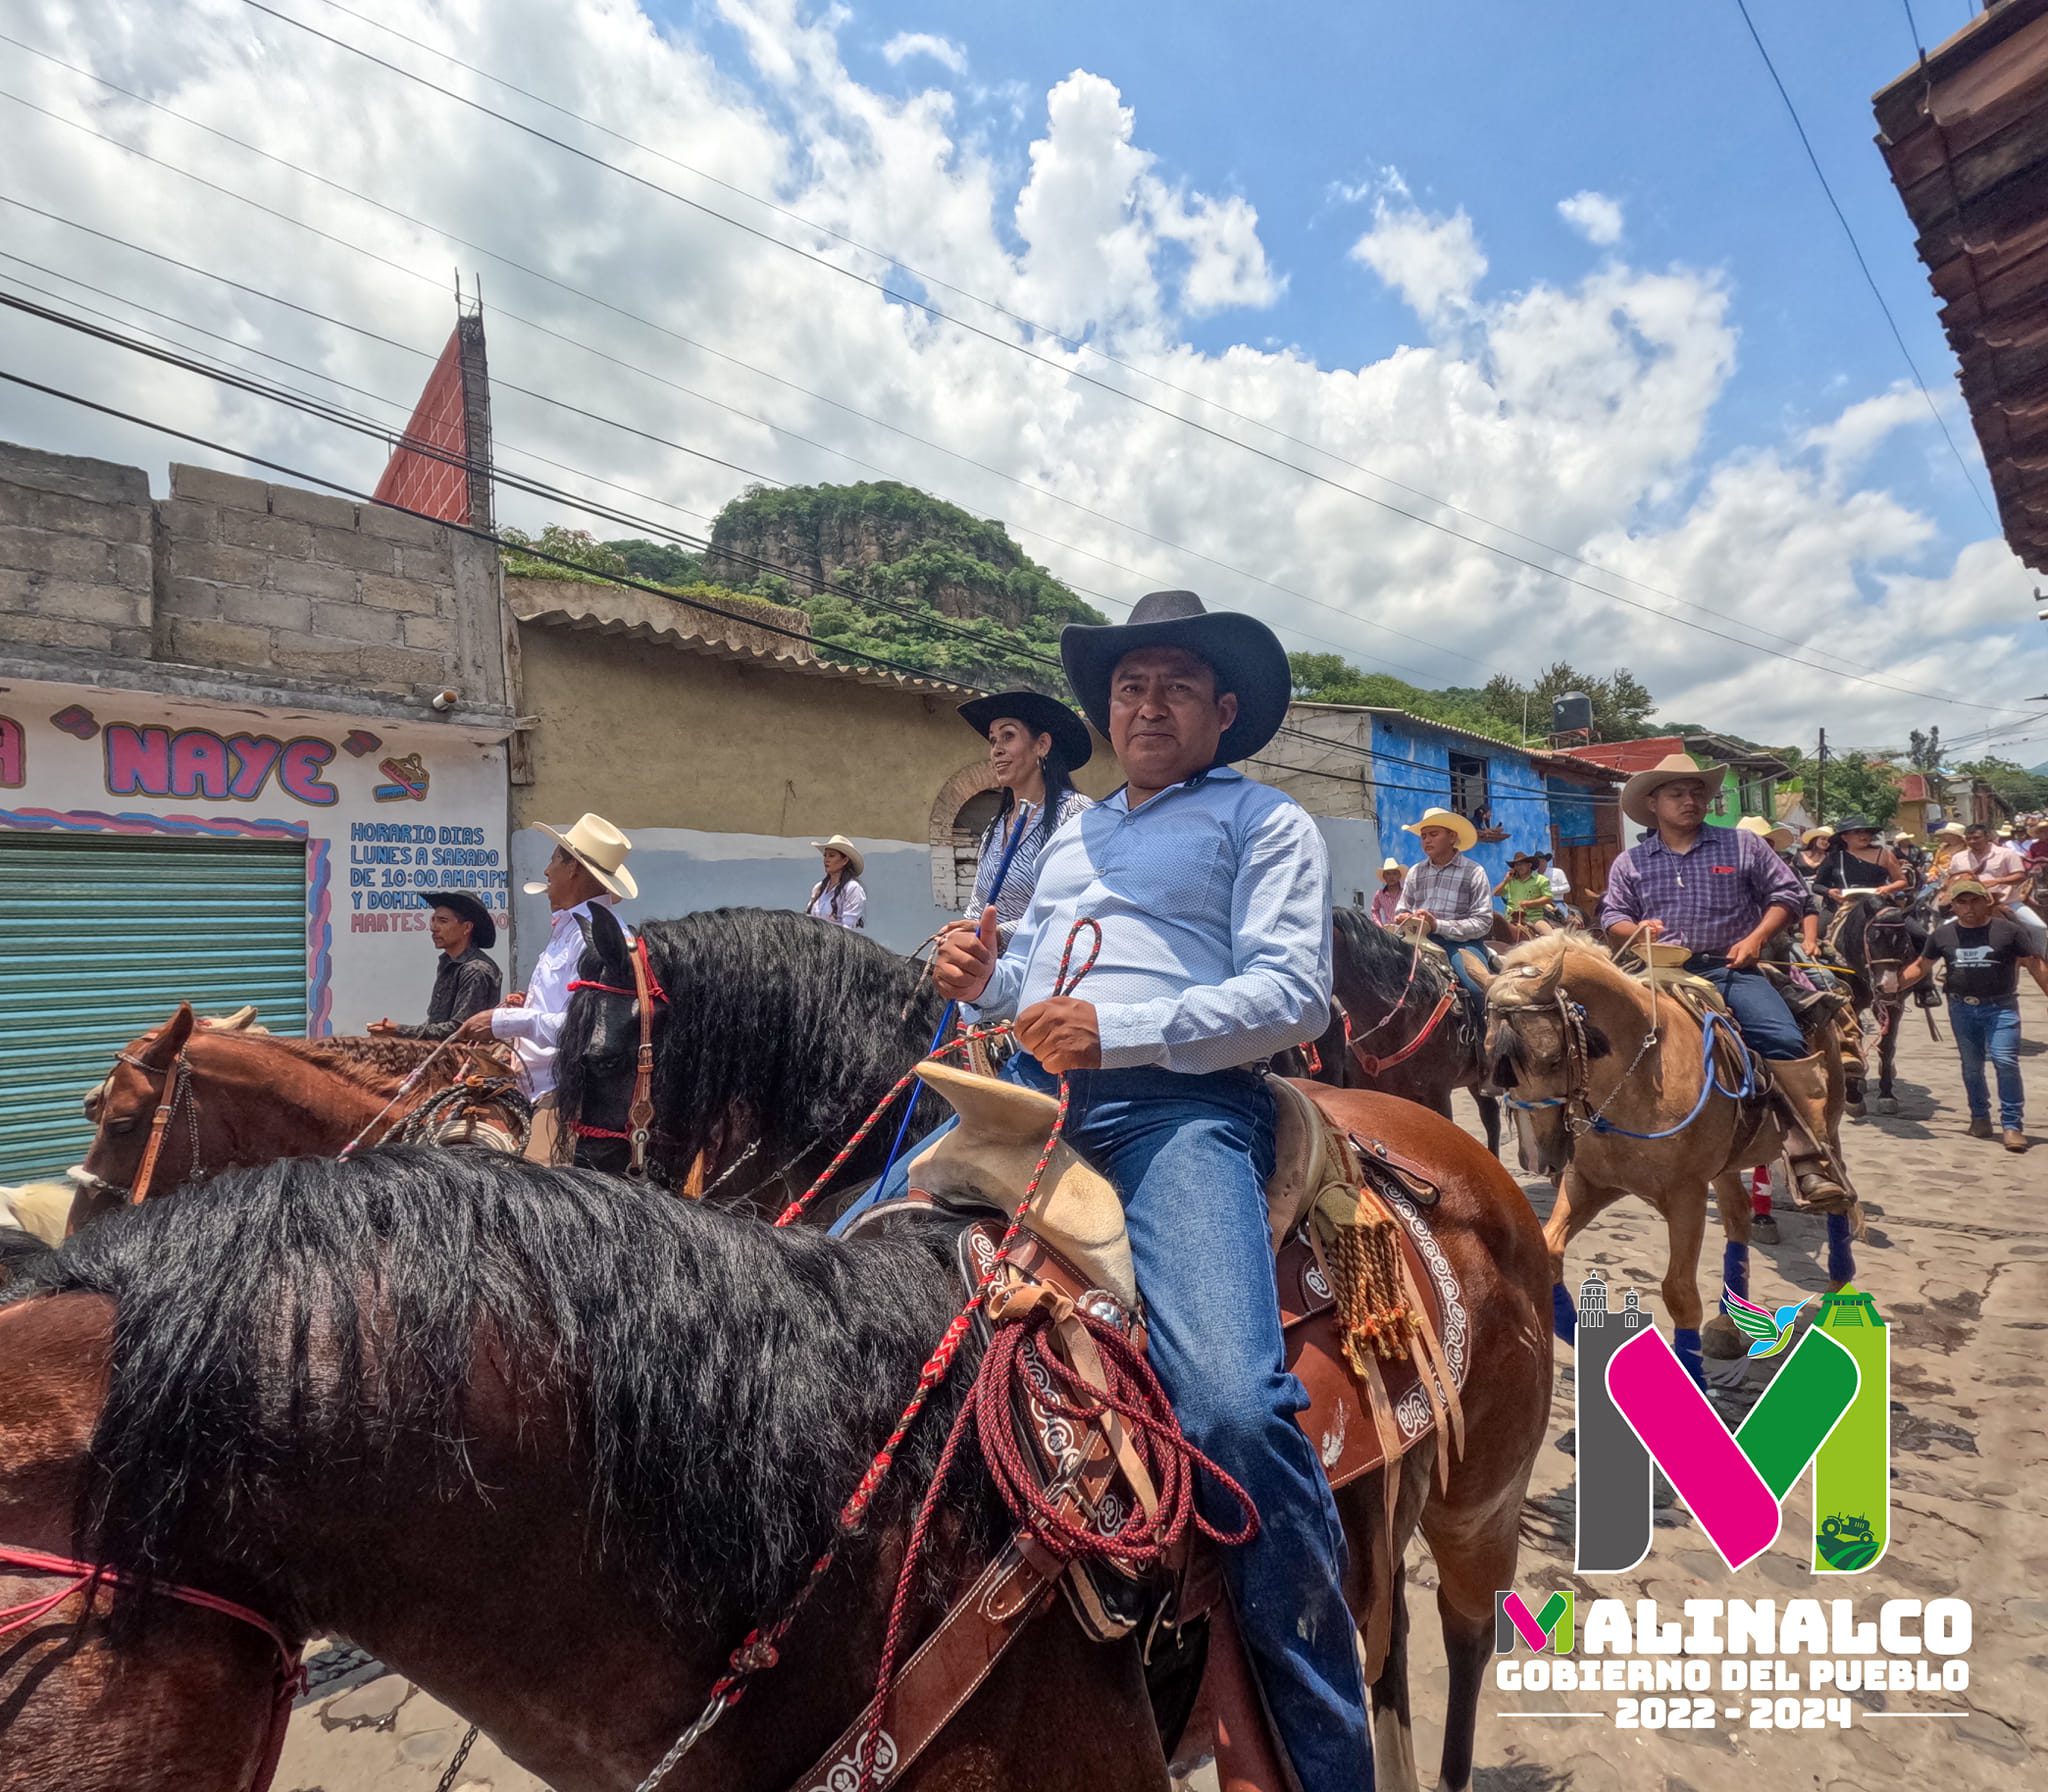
{"x": 1035, "y": 745}
{"x": 1723, "y": 893}
{"x": 1213, "y": 895}
{"x": 1448, "y": 893}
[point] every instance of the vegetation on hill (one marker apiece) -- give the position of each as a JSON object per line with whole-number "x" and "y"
{"x": 1621, "y": 704}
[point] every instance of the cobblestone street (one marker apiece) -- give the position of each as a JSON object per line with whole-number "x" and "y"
{"x": 1957, "y": 1257}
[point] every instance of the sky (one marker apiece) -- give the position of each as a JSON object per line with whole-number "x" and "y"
{"x": 1455, "y": 340}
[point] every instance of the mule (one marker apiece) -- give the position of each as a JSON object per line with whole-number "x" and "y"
{"x": 1400, "y": 1025}
{"x": 773, "y": 1038}
{"x": 548, "y": 1443}
{"x": 242, "y": 1097}
{"x": 1615, "y": 1093}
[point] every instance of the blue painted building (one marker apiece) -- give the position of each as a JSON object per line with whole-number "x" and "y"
{"x": 1418, "y": 765}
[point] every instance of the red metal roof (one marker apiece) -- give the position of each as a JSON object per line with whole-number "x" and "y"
{"x": 1966, "y": 137}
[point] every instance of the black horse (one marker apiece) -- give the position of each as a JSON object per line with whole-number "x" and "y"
{"x": 774, "y": 1036}
{"x": 1876, "y": 941}
{"x": 1390, "y": 995}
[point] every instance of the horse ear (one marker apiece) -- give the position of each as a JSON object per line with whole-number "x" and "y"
{"x": 1545, "y": 986}
{"x": 603, "y": 935}
{"x": 171, "y": 1040}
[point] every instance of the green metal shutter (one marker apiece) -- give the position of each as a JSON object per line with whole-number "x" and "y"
{"x": 100, "y": 939}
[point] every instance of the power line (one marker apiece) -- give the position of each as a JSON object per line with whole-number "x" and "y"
{"x": 1073, "y": 373}
{"x": 1856, "y": 248}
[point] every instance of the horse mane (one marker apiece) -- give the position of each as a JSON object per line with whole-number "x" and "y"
{"x": 369, "y": 1062}
{"x": 1379, "y": 959}
{"x": 799, "y": 1026}
{"x": 317, "y": 1324}
{"x": 1580, "y": 949}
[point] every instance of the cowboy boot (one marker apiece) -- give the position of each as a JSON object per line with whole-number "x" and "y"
{"x": 1800, "y": 1090}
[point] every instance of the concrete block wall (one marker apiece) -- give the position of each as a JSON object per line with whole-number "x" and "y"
{"x": 235, "y": 575}
{"x": 76, "y": 564}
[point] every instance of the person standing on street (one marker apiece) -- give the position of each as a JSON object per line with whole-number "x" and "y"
{"x": 588, "y": 867}
{"x": 839, "y": 896}
{"x": 1983, "y": 954}
{"x": 465, "y": 981}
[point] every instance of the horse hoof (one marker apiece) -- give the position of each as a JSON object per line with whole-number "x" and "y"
{"x": 1763, "y": 1229}
{"x": 1854, "y": 1107}
{"x": 1887, "y": 1104}
{"x": 1720, "y": 1340}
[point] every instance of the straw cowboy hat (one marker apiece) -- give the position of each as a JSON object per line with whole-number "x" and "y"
{"x": 1391, "y": 864}
{"x": 1813, "y": 834}
{"x": 1467, "y": 834}
{"x": 1039, "y": 713}
{"x": 1780, "y": 835}
{"x": 840, "y": 843}
{"x": 1635, "y": 794}
{"x": 1247, "y": 655}
{"x": 599, "y": 848}
{"x": 1951, "y": 830}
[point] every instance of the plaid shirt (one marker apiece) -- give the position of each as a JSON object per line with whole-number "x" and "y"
{"x": 1707, "y": 898}
{"x": 1459, "y": 894}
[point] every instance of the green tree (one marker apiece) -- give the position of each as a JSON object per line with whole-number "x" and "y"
{"x": 1327, "y": 678}
{"x": 1860, "y": 783}
{"x": 659, "y": 562}
{"x": 1923, "y": 751}
{"x": 578, "y": 546}
{"x": 2019, "y": 788}
{"x": 1621, "y": 702}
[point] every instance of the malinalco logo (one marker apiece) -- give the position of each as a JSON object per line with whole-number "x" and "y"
{"x": 1828, "y": 1407}
{"x": 1550, "y": 1628}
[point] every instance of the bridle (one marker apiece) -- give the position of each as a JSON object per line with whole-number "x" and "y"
{"x": 1371, "y": 1063}
{"x": 639, "y": 1128}
{"x": 83, "y": 1577}
{"x": 177, "y": 1090}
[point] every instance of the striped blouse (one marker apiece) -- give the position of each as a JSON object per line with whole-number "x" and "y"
{"x": 1022, "y": 878}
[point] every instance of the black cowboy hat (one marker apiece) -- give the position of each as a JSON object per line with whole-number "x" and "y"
{"x": 1854, "y": 823}
{"x": 1039, "y": 713}
{"x": 462, "y": 903}
{"x": 1246, "y": 654}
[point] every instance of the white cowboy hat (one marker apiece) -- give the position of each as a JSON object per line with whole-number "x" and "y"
{"x": 840, "y": 843}
{"x": 1391, "y": 864}
{"x": 1763, "y": 830}
{"x": 1951, "y": 830}
{"x": 1467, "y": 834}
{"x": 599, "y": 848}
{"x": 1635, "y": 794}
{"x": 1813, "y": 834}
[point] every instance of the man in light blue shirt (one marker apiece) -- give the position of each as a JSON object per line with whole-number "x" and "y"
{"x": 1213, "y": 895}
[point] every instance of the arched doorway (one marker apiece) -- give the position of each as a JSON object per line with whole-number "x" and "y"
{"x": 966, "y": 804}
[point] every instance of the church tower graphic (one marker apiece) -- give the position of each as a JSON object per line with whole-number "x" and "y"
{"x": 1614, "y": 1516}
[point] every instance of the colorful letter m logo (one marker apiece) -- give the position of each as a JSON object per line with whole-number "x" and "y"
{"x": 1551, "y": 1628}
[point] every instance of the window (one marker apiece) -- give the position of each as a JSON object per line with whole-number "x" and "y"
{"x": 1468, "y": 789}
{"x": 968, "y": 827}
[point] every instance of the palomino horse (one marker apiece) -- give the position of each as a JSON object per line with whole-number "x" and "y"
{"x": 1876, "y": 941}
{"x": 238, "y": 1098}
{"x": 1615, "y": 1097}
{"x": 773, "y": 1037}
{"x": 548, "y": 1443}
{"x": 1399, "y": 1023}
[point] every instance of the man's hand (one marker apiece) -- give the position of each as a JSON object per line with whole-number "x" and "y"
{"x": 964, "y": 961}
{"x": 517, "y": 999}
{"x": 477, "y": 1026}
{"x": 1062, "y": 1034}
{"x": 1742, "y": 956}
{"x": 1423, "y": 915}
{"x": 382, "y": 1026}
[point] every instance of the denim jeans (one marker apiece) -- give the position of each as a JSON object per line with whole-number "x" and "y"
{"x": 1189, "y": 1156}
{"x": 1761, "y": 1017}
{"x": 1990, "y": 1030}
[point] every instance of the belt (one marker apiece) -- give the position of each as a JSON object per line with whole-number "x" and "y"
{"x": 1986, "y": 1001}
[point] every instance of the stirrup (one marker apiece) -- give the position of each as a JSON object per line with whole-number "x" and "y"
{"x": 1839, "y": 1199}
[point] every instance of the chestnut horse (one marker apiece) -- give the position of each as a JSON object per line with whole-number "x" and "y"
{"x": 246, "y": 1098}
{"x": 1613, "y": 1095}
{"x": 548, "y": 1443}
{"x": 1389, "y": 1029}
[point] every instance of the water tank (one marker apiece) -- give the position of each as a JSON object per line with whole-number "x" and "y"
{"x": 1572, "y": 713}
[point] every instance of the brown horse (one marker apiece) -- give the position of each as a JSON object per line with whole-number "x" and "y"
{"x": 1400, "y": 1023}
{"x": 245, "y": 1098}
{"x": 1614, "y": 1094}
{"x": 504, "y": 1426}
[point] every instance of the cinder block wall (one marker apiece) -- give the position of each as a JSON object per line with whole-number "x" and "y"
{"x": 236, "y": 575}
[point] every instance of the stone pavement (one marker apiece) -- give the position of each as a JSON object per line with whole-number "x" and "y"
{"x": 1957, "y": 1257}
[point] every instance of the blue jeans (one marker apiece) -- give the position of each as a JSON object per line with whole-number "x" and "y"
{"x": 1990, "y": 1030}
{"x": 1761, "y": 1017}
{"x": 1466, "y": 981}
{"x": 1189, "y": 1156}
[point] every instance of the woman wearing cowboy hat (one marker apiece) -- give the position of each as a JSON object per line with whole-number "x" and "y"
{"x": 838, "y": 896}
{"x": 1035, "y": 746}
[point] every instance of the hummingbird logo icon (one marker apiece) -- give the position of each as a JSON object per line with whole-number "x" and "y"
{"x": 1768, "y": 1332}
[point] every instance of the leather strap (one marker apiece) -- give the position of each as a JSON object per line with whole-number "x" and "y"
{"x": 159, "y": 1124}
{"x": 640, "y": 1113}
{"x": 1372, "y": 1065}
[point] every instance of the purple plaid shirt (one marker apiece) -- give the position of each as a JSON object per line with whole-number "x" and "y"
{"x": 1707, "y": 898}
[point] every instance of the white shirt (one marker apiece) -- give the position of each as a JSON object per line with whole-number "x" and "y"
{"x": 1560, "y": 885}
{"x": 853, "y": 904}
{"x": 1214, "y": 904}
{"x": 535, "y": 1031}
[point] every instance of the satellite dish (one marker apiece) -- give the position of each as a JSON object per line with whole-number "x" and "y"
{"x": 1572, "y": 713}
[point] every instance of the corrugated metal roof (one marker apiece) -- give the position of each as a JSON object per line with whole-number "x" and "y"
{"x": 621, "y": 610}
{"x": 1414, "y": 721}
{"x": 1965, "y": 135}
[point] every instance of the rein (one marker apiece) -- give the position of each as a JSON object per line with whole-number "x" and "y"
{"x": 646, "y": 991}
{"x": 83, "y": 1577}
{"x": 178, "y": 1088}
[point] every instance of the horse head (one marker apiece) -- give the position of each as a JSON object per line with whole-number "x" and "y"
{"x": 122, "y": 1108}
{"x": 1889, "y": 940}
{"x": 600, "y": 1045}
{"x": 1530, "y": 1044}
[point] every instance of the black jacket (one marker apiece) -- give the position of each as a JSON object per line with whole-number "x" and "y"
{"x": 462, "y": 987}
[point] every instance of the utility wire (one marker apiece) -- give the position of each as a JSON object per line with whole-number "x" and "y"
{"x": 1072, "y": 373}
{"x": 1856, "y": 249}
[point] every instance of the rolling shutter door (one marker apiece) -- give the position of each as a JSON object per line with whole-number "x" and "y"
{"x": 100, "y": 939}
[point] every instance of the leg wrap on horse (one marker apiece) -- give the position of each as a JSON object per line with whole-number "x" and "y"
{"x": 1685, "y": 1343}
{"x": 1735, "y": 1268}
{"x": 1841, "y": 1252}
{"x": 1564, "y": 1315}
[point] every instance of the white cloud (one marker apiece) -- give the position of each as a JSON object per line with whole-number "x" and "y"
{"x": 1432, "y": 262}
{"x": 1594, "y": 216}
{"x": 1589, "y": 414}
{"x": 942, "y": 50}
